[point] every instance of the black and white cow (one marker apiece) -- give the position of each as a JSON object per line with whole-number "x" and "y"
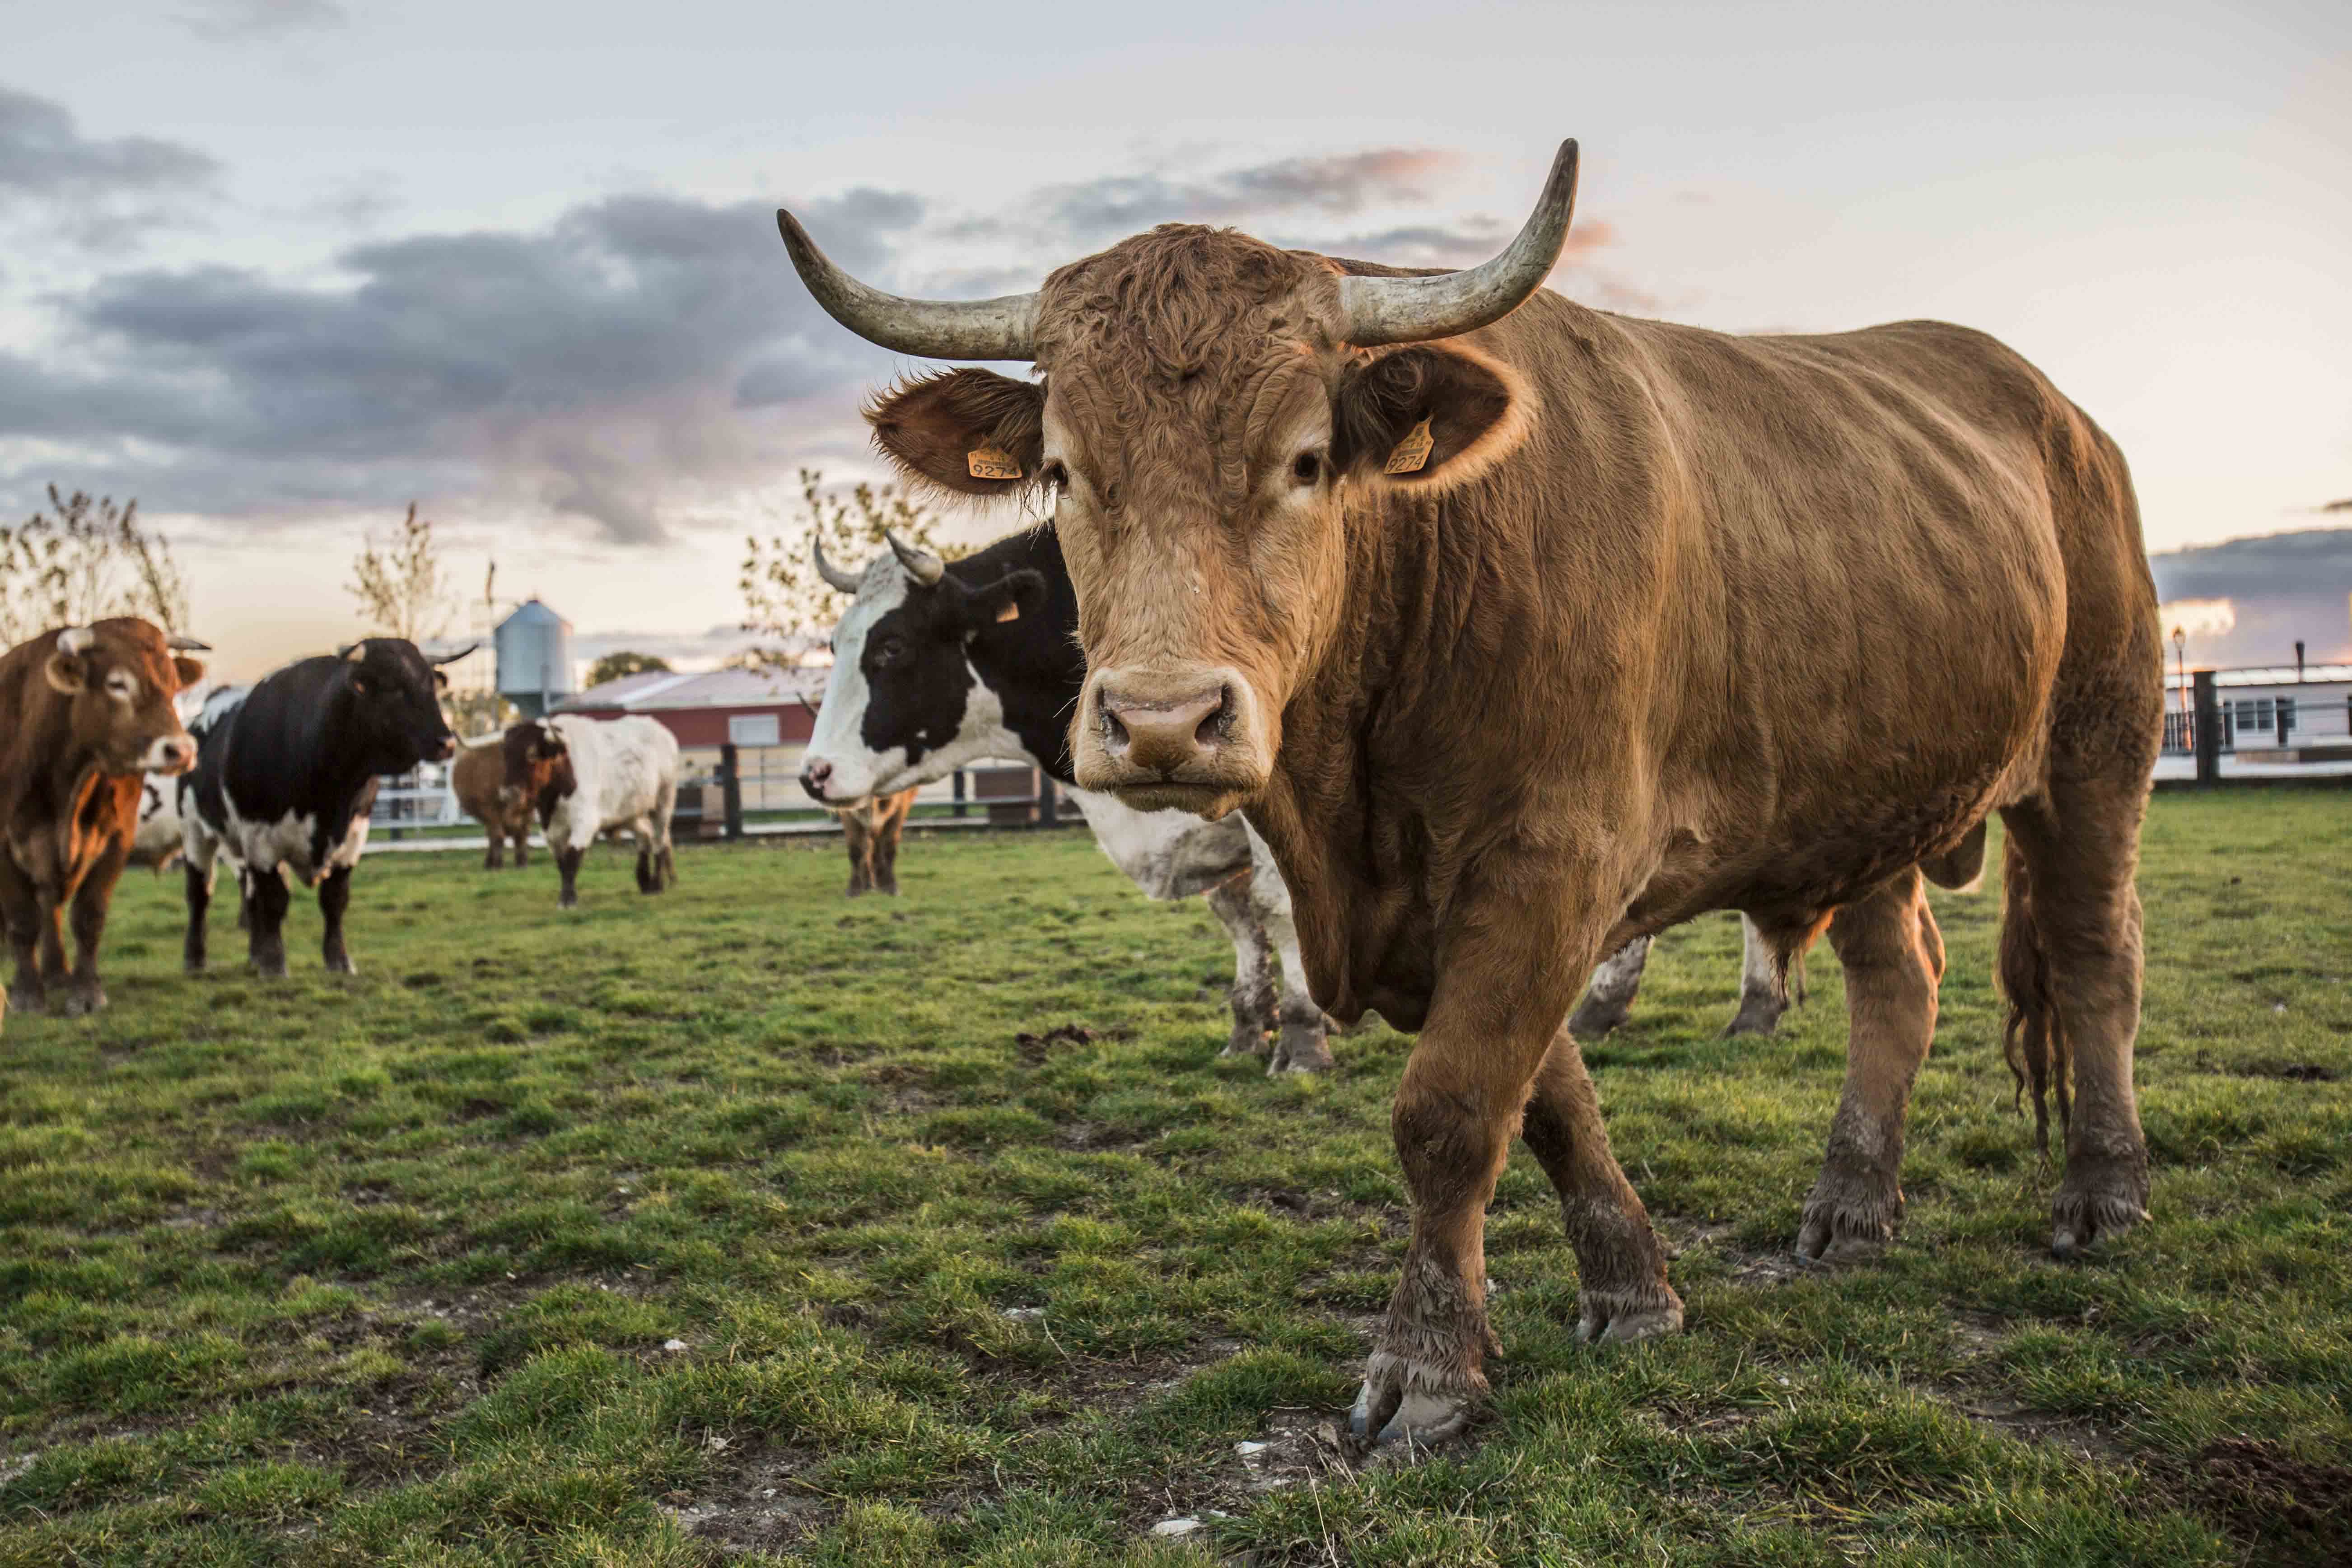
{"x": 936, "y": 665}
{"x": 286, "y": 773}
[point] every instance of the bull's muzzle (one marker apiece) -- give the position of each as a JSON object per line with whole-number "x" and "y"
{"x": 1187, "y": 739}
{"x": 170, "y": 754}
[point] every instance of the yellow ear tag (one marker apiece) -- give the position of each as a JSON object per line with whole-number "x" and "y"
{"x": 990, "y": 463}
{"x": 1411, "y": 452}
{"x": 1010, "y": 613}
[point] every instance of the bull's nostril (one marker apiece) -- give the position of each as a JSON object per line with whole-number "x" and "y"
{"x": 1114, "y": 733}
{"x": 1218, "y": 724}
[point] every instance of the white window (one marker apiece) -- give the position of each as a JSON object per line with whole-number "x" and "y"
{"x": 755, "y": 730}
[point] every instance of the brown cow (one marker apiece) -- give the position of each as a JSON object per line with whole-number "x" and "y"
{"x": 89, "y": 713}
{"x": 871, "y": 830}
{"x": 478, "y": 780}
{"x": 1520, "y": 629}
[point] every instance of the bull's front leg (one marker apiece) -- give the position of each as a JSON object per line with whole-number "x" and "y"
{"x": 567, "y": 867}
{"x": 265, "y": 900}
{"x": 90, "y": 901}
{"x": 1620, "y": 1269}
{"x": 1608, "y": 999}
{"x": 1252, "y": 994}
{"x": 1498, "y": 1003}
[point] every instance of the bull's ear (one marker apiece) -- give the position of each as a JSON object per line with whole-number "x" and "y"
{"x": 440, "y": 681}
{"x": 190, "y": 671}
{"x": 974, "y": 432}
{"x": 66, "y": 673}
{"x": 1429, "y": 416}
{"x": 1010, "y": 597}
{"x": 551, "y": 746}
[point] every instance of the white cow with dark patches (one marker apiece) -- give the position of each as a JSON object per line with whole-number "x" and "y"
{"x": 589, "y": 776}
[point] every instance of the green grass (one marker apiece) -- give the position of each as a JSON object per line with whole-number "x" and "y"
{"x": 383, "y": 1271}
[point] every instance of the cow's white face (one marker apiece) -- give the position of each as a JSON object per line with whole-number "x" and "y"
{"x": 904, "y": 705}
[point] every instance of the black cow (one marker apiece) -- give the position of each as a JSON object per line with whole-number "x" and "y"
{"x": 284, "y": 780}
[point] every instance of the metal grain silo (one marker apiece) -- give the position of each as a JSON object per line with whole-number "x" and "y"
{"x": 534, "y": 648}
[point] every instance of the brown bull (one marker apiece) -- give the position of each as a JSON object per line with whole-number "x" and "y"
{"x": 479, "y": 779}
{"x": 1520, "y": 630}
{"x": 85, "y": 713}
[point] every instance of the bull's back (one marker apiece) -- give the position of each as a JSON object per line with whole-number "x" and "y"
{"x": 1871, "y": 559}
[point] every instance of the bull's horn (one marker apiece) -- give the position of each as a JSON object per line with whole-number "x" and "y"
{"x": 921, "y": 565}
{"x": 1416, "y": 309}
{"x": 1002, "y": 328}
{"x": 357, "y": 652}
{"x": 454, "y": 658}
{"x": 75, "y": 639}
{"x": 180, "y": 642}
{"x": 842, "y": 582}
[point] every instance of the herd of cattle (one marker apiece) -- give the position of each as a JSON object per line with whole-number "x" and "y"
{"x": 1448, "y": 637}
{"x": 279, "y": 779}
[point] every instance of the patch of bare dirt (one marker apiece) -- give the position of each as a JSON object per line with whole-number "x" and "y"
{"x": 752, "y": 1499}
{"x": 2288, "y": 1510}
{"x": 1034, "y": 1049}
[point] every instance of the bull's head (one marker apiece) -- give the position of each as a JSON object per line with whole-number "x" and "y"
{"x": 538, "y": 772}
{"x": 123, "y": 676}
{"x": 396, "y": 703}
{"x": 1210, "y": 407}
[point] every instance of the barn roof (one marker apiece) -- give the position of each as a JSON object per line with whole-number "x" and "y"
{"x": 658, "y": 690}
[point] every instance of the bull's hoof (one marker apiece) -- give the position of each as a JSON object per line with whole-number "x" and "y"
{"x": 1299, "y": 1048}
{"x": 1404, "y": 1401}
{"x": 192, "y": 966}
{"x": 340, "y": 963}
{"x": 1849, "y": 1218}
{"x": 2098, "y": 1202}
{"x": 269, "y": 968}
{"x": 1596, "y": 1019}
{"x": 1247, "y": 1040}
{"x": 81, "y": 1002}
{"x": 567, "y": 900}
{"x": 1757, "y": 1015}
{"x": 1621, "y": 1317}
{"x": 27, "y": 999}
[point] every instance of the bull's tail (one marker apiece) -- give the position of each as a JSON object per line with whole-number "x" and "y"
{"x": 2034, "y": 1039}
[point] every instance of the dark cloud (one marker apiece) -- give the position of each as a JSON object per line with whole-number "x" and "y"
{"x": 44, "y": 157}
{"x": 2281, "y": 587}
{"x": 239, "y": 21}
{"x": 641, "y": 364}
{"x": 592, "y": 367}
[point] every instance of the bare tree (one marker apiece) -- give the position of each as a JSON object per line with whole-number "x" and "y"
{"x": 400, "y": 585}
{"x": 83, "y": 561}
{"x": 784, "y": 599}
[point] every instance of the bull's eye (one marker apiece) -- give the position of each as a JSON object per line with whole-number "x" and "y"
{"x": 887, "y": 651}
{"x": 1307, "y": 468}
{"x": 1054, "y": 476}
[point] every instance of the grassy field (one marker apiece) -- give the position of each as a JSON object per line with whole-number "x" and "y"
{"x": 752, "y": 1220}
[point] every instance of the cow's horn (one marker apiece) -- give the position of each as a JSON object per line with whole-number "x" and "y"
{"x": 357, "y": 652}
{"x": 75, "y": 639}
{"x": 454, "y": 658}
{"x": 180, "y": 642}
{"x": 921, "y": 565}
{"x": 1416, "y": 309}
{"x": 1002, "y": 328}
{"x": 844, "y": 582}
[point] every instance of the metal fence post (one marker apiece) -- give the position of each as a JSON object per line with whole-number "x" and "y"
{"x": 959, "y": 792}
{"x": 731, "y": 788}
{"x": 1045, "y": 806}
{"x": 2209, "y": 728}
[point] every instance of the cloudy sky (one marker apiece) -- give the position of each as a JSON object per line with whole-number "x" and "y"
{"x": 277, "y": 267}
